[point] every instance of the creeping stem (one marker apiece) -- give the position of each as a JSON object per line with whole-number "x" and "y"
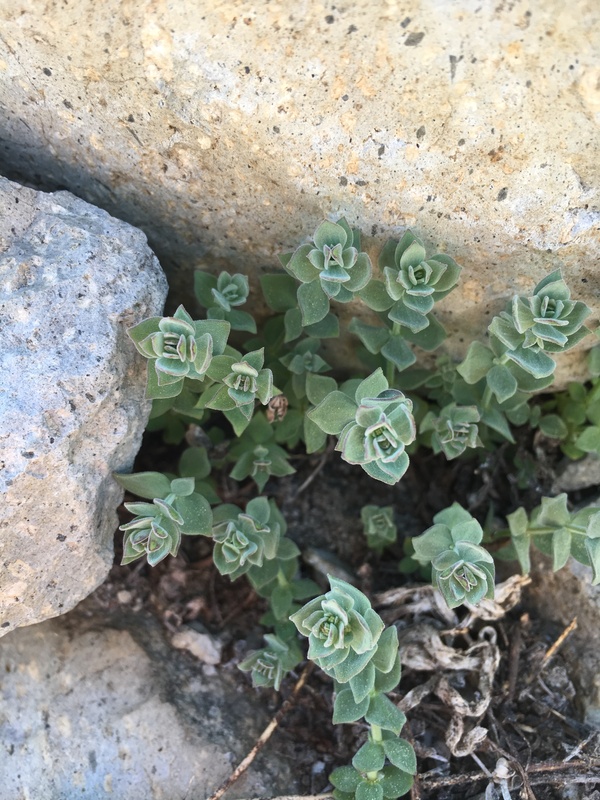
{"x": 390, "y": 367}
{"x": 376, "y": 737}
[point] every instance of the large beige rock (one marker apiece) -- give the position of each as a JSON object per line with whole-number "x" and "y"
{"x": 228, "y": 131}
{"x": 72, "y": 406}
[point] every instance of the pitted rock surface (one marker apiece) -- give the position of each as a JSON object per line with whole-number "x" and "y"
{"x": 228, "y": 131}
{"x": 72, "y": 407}
{"x": 91, "y": 711}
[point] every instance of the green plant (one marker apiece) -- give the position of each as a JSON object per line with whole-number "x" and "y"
{"x": 269, "y": 665}
{"x": 453, "y": 430}
{"x": 257, "y": 455}
{"x": 178, "y": 348}
{"x": 557, "y": 532}
{"x": 462, "y": 569}
{"x": 379, "y": 526}
{"x": 221, "y": 297}
{"x": 572, "y": 417}
{"x": 331, "y": 267}
{"x": 374, "y": 424}
{"x": 156, "y": 530}
{"x": 379, "y": 416}
{"x": 350, "y": 643}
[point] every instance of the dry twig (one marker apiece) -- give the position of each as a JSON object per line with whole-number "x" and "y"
{"x": 264, "y": 737}
{"x": 553, "y": 649}
{"x": 322, "y": 461}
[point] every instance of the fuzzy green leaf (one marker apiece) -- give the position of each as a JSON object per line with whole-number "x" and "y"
{"x": 589, "y": 440}
{"x": 502, "y": 382}
{"x": 318, "y": 387}
{"x": 332, "y": 413}
{"x": 366, "y": 790}
{"x": 145, "y": 484}
{"x": 384, "y": 713}
{"x": 370, "y": 757}
{"x": 362, "y": 684}
{"x": 395, "y": 782}
{"x": 313, "y": 302}
{"x": 375, "y": 296}
{"x": 345, "y": 778}
{"x": 279, "y": 292}
{"x": 371, "y": 386}
{"x": 327, "y": 328}
{"x": 477, "y": 363}
{"x": 401, "y": 754}
{"x": 387, "y": 681}
{"x": 345, "y": 709}
{"x": 372, "y": 336}
{"x": 398, "y": 352}
{"x": 551, "y": 425}
{"x": 196, "y": 513}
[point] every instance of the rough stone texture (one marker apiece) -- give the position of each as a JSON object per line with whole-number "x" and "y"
{"x": 92, "y": 712}
{"x": 575, "y": 475}
{"x": 561, "y": 596}
{"x": 72, "y": 405}
{"x": 227, "y": 131}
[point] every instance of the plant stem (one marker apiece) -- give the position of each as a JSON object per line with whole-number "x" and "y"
{"x": 390, "y": 367}
{"x": 376, "y": 737}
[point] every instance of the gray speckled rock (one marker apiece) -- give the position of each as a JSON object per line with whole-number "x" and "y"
{"x": 227, "y": 131}
{"x": 88, "y": 711}
{"x": 72, "y": 405}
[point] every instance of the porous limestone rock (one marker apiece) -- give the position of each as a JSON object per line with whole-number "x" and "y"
{"x": 228, "y": 131}
{"x": 88, "y": 711}
{"x": 72, "y": 406}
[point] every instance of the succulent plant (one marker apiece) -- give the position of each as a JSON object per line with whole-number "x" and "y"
{"x": 547, "y": 322}
{"x": 243, "y": 381}
{"x": 342, "y": 629}
{"x": 374, "y": 425}
{"x": 175, "y": 508}
{"x": 462, "y": 569}
{"x": 257, "y": 455}
{"x": 269, "y": 665}
{"x": 453, "y": 430}
{"x": 379, "y": 526}
{"x": 221, "y": 297}
{"x": 154, "y": 533}
{"x": 178, "y": 348}
{"x": 414, "y": 283}
{"x": 558, "y": 533}
{"x": 304, "y": 360}
{"x": 332, "y": 268}
{"x": 244, "y": 539}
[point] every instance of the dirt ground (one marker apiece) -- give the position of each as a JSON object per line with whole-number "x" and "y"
{"x": 514, "y": 670}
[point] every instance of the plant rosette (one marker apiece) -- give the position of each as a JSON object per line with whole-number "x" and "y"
{"x": 413, "y": 282}
{"x": 175, "y": 509}
{"x": 453, "y": 430}
{"x": 178, "y": 348}
{"x": 221, "y": 297}
{"x": 462, "y": 570}
{"x": 342, "y": 630}
{"x": 547, "y": 322}
{"x": 375, "y": 425}
{"x": 244, "y": 539}
{"x": 269, "y": 665}
{"x": 329, "y": 269}
{"x": 378, "y": 525}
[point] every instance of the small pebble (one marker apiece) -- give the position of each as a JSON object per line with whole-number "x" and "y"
{"x": 200, "y": 645}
